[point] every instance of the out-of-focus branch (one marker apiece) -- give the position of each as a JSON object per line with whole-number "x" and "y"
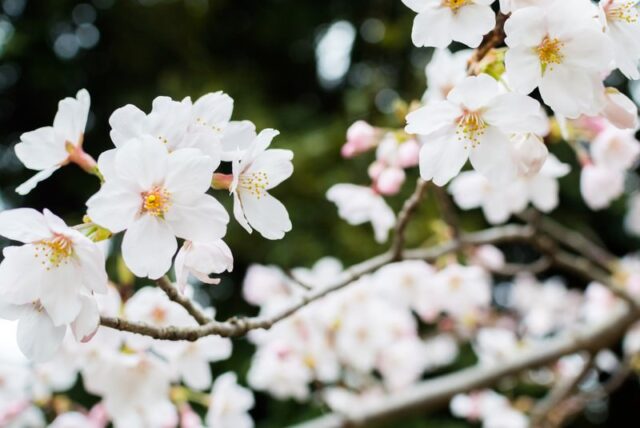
{"x": 540, "y": 415}
{"x": 492, "y": 40}
{"x": 409, "y": 207}
{"x": 239, "y": 326}
{"x": 434, "y": 393}
{"x": 165, "y": 284}
{"x": 447, "y": 210}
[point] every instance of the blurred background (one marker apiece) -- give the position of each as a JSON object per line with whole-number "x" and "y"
{"x": 306, "y": 68}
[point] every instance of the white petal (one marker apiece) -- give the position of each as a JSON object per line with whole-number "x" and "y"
{"x": 492, "y": 157}
{"x": 107, "y": 164}
{"x": 20, "y": 275}
{"x": 38, "y": 338}
{"x": 433, "y": 118}
{"x": 589, "y": 50}
{"x": 442, "y": 159}
{"x": 544, "y": 193}
{"x": 60, "y": 292}
{"x": 275, "y": 163}
{"x": 471, "y": 23}
{"x": 418, "y": 5}
{"x": 513, "y": 113}
{"x": 188, "y": 171}
{"x": 195, "y": 372}
{"x": 40, "y": 149}
{"x": 71, "y": 119}
{"x": 31, "y": 183}
{"x": 92, "y": 265}
{"x": 432, "y": 27}
{"x": 200, "y": 218}
{"x": 148, "y": 246}
{"x": 567, "y": 91}
{"x": 86, "y": 324}
{"x": 24, "y": 225}
{"x": 115, "y": 206}
{"x": 237, "y": 137}
{"x": 238, "y": 213}
{"x": 266, "y": 214}
{"x": 475, "y": 92}
{"x": 524, "y": 70}
{"x": 213, "y": 109}
{"x": 142, "y": 161}
{"x": 468, "y": 189}
{"x": 525, "y": 27}
{"x": 127, "y": 122}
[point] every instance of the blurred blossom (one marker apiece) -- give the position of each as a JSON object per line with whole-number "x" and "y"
{"x": 88, "y": 35}
{"x": 333, "y": 53}
{"x": 372, "y": 30}
{"x": 13, "y": 7}
{"x": 83, "y": 13}
{"x": 66, "y": 45}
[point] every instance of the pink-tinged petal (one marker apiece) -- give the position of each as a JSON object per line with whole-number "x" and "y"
{"x": 91, "y": 263}
{"x": 514, "y": 113}
{"x": 188, "y": 171}
{"x": 524, "y": 71}
{"x": 71, "y": 119}
{"x": 432, "y": 27}
{"x": 274, "y": 164}
{"x": 492, "y": 157}
{"x": 40, "y": 149}
{"x": 60, "y": 292}
{"x": 31, "y": 183}
{"x": 142, "y": 161}
{"x": 433, "y": 119}
{"x": 37, "y": 337}
{"x": 86, "y": 324}
{"x": 471, "y": 23}
{"x": 442, "y": 159}
{"x": 525, "y": 27}
{"x": 198, "y": 218}
{"x": 21, "y": 275}
{"x": 24, "y": 225}
{"x": 265, "y": 214}
{"x": 475, "y": 92}
{"x": 237, "y": 138}
{"x": 127, "y": 123}
{"x": 148, "y": 246}
{"x": 115, "y": 206}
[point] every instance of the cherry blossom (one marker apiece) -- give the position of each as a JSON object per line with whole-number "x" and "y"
{"x": 473, "y": 123}
{"x": 560, "y": 50}
{"x": 359, "y": 204}
{"x": 255, "y": 173}
{"x": 201, "y": 259}
{"x": 620, "y": 110}
{"x": 230, "y": 404}
{"x": 361, "y": 137}
{"x": 620, "y": 18}
{"x": 600, "y": 185}
{"x": 444, "y": 72}
{"x": 438, "y": 23}
{"x": 156, "y": 196}
{"x": 51, "y": 147}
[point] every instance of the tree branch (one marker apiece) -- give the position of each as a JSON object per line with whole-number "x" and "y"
{"x": 165, "y": 284}
{"x": 409, "y": 207}
{"x": 434, "y": 393}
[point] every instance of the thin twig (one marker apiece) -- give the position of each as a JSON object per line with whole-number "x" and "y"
{"x": 447, "y": 210}
{"x": 172, "y": 292}
{"x": 409, "y": 207}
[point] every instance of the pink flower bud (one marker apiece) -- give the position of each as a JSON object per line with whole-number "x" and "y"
{"x": 620, "y": 110}
{"x": 529, "y": 153}
{"x": 408, "y": 154}
{"x": 361, "y": 137}
{"x": 390, "y": 181}
{"x": 375, "y": 169}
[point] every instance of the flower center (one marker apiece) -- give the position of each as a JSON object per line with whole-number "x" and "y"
{"x": 54, "y": 252}
{"x": 256, "y": 183}
{"x": 159, "y": 315}
{"x": 626, "y": 12}
{"x": 550, "y": 52}
{"x": 470, "y": 128}
{"x": 156, "y": 201}
{"x": 454, "y": 5}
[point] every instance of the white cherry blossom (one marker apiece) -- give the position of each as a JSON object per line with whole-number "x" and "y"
{"x": 444, "y": 72}
{"x": 51, "y": 147}
{"x": 621, "y": 21}
{"x": 156, "y": 196}
{"x": 360, "y": 204}
{"x": 439, "y": 22}
{"x": 560, "y": 50}
{"x": 230, "y": 404}
{"x": 201, "y": 259}
{"x": 601, "y": 185}
{"x": 473, "y": 123}
{"x": 256, "y": 172}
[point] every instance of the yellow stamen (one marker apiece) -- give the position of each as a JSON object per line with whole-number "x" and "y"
{"x": 454, "y": 5}
{"x": 471, "y": 128}
{"x": 626, "y": 12}
{"x": 256, "y": 183}
{"x": 550, "y": 52}
{"x": 54, "y": 252}
{"x": 156, "y": 201}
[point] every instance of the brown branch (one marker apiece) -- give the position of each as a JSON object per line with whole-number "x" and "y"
{"x": 172, "y": 292}
{"x": 492, "y": 40}
{"x": 435, "y": 393}
{"x": 239, "y": 326}
{"x": 447, "y": 210}
{"x": 409, "y": 207}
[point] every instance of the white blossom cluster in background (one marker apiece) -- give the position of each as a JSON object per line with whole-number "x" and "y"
{"x": 505, "y": 112}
